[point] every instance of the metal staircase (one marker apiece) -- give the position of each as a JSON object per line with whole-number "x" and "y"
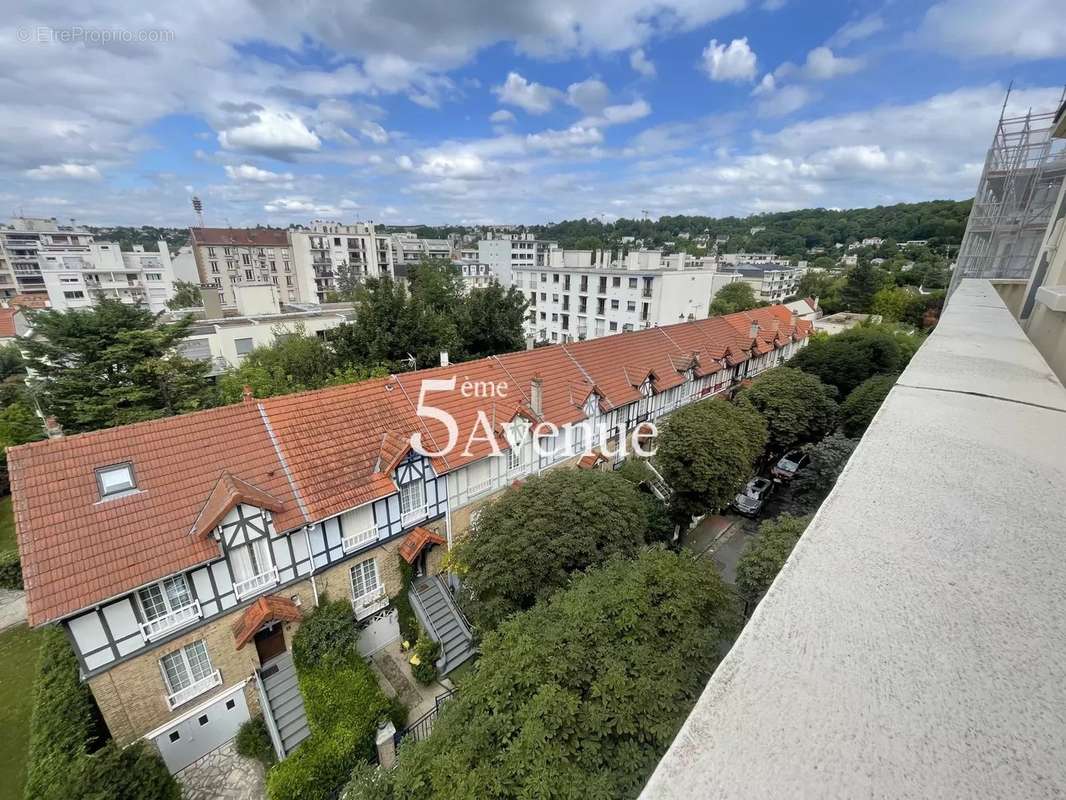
{"x": 442, "y": 620}
{"x": 283, "y": 705}
{"x": 659, "y": 487}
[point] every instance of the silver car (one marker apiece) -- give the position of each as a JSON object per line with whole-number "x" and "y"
{"x": 750, "y": 501}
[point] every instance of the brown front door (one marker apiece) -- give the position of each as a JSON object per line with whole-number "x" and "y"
{"x": 270, "y": 642}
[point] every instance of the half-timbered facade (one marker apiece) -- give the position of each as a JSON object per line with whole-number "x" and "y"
{"x": 179, "y": 554}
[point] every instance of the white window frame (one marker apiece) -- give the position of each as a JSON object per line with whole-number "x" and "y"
{"x": 262, "y": 575}
{"x": 410, "y": 513}
{"x": 126, "y": 486}
{"x": 368, "y": 595}
{"x": 173, "y": 616}
{"x": 196, "y": 686}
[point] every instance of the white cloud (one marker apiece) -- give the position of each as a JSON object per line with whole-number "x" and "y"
{"x": 247, "y": 173}
{"x": 591, "y": 95}
{"x": 784, "y": 101}
{"x": 574, "y": 137}
{"x": 275, "y": 133}
{"x": 618, "y": 115}
{"x": 68, "y": 171}
{"x": 374, "y": 132}
{"x": 822, "y": 65}
{"x": 857, "y": 30}
{"x": 766, "y": 85}
{"x": 532, "y": 97}
{"x": 733, "y": 62}
{"x": 641, "y": 64}
{"x": 501, "y": 117}
{"x": 301, "y": 205}
{"x": 1023, "y": 29}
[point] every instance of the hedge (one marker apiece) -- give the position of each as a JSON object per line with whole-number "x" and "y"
{"x": 10, "y": 570}
{"x": 344, "y": 705}
{"x": 66, "y": 730}
{"x": 253, "y": 741}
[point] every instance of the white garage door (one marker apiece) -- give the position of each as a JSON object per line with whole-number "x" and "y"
{"x": 383, "y": 628}
{"x": 207, "y": 729}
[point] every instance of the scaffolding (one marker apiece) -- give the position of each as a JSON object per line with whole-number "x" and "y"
{"x": 1023, "y": 171}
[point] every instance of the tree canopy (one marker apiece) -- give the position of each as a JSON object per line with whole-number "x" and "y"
{"x": 733, "y": 297}
{"x": 765, "y": 554}
{"x": 706, "y": 452}
{"x": 859, "y": 407}
{"x": 828, "y": 457}
{"x": 847, "y": 359}
{"x": 526, "y": 543}
{"x": 796, "y": 406}
{"x": 186, "y": 295}
{"x": 112, "y": 364}
{"x": 580, "y": 696}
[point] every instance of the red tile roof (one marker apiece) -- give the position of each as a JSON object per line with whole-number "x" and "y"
{"x": 38, "y": 300}
{"x": 7, "y": 322}
{"x": 240, "y": 237}
{"x": 416, "y": 540}
{"x": 312, "y": 455}
{"x": 262, "y": 611}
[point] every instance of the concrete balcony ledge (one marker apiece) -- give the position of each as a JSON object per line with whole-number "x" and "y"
{"x": 913, "y": 644}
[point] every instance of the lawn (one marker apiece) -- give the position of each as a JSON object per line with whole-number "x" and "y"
{"x": 7, "y": 526}
{"x": 18, "y": 665}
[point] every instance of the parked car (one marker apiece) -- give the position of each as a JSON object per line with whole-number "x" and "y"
{"x": 750, "y": 501}
{"x": 789, "y": 465}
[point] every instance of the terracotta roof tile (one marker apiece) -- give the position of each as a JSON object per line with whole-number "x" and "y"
{"x": 227, "y": 494}
{"x": 416, "y": 540}
{"x": 240, "y": 237}
{"x": 7, "y": 322}
{"x": 259, "y": 613}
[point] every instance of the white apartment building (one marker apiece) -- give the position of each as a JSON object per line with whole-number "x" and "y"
{"x": 505, "y": 252}
{"x": 748, "y": 258}
{"x": 409, "y": 250}
{"x": 324, "y": 250}
{"x": 225, "y": 340}
{"x": 226, "y": 257}
{"x": 583, "y": 294}
{"x": 24, "y": 241}
{"x": 76, "y": 276}
{"x": 771, "y": 282}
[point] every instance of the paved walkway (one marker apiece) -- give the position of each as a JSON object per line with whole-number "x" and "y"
{"x": 223, "y": 775}
{"x": 394, "y": 675}
{"x": 12, "y": 608}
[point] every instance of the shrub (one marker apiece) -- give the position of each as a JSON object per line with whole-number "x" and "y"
{"x": 368, "y": 783}
{"x": 344, "y": 706}
{"x": 253, "y": 741}
{"x": 859, "y": 407}
{"x": 135, "y": 772}
{"x": 764, "y": 555}
{"x": 10, "y": 570}
{"x": 409, "y": 629}
{"x": 423, "y": 665}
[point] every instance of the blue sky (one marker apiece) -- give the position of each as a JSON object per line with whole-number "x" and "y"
{"x": 405, "y": 111}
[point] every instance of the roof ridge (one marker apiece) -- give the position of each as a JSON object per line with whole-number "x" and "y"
{"x": 265, "y": 417}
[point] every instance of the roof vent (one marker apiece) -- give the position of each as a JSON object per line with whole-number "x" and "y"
{"x": 52, "y": 428}
{"x": 246, "y": 394}
{"x": 754, "y": 331}
{"x": 536, "y": 389}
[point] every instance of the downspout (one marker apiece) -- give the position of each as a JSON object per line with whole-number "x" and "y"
{"x": 311, "y": 560}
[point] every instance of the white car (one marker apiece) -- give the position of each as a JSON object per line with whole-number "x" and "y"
{"x": 750, "y": 501}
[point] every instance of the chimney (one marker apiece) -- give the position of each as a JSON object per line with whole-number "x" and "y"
{"x": 535, "y": 394}
{"x": 444, "y": 358}
{"x": 52, "y": 428}
{"x": 530, "y": 341}
{"x": 815, "y": 303}
{"x": 246, "y": 395}
{"x": 754, "y": 330}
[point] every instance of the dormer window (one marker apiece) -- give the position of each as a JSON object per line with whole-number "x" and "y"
{"x": 115, "y": 479}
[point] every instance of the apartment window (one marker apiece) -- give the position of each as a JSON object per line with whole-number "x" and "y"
{"x": 616, "y": 282}
{"x": 74, "y": 295}
{"x": 365, "y": 579}
{"x": 631, "y": 306}
{"x": 543, "y": 277}
{"x": 250, "y": 561}
{"x": 211, "y": 251}
{"x": 214, "y": 267}
{"x": 614, "y": 305}
{"x": 514, "y": 459}
{"x": 644, "y": 311}
{"x": 555, "y": 336}
{"x": 566, "y": 322}
{"x": 544, "y": 297}
{"x": 632, "y": 283}
{"x": 543, "y": 316}
{"x": 288, "y": 280}
{"x": 555, "y": 317}
{"x": 601, "y": 306}
{"x": 582, "y": 304}
{"x": 248, "y": 275}
{"x": 566, "y": 283}
{"x": 337, "y": 241}
{"x": 532, "y": 298}
{"x": 412, "y": 496}
{"x": 584, "y": 283}
{"x": 115, "y": 479}
{"x": 244, "y": 346}
{"x": 566, "y": 302}
{"x": 603, "y": 285}
{"x": 247, "y": 259}
{"x": 555, "y": 278}
{"x": 185, "y": 667}
{"x": 555, "y": 298}
{"x": 614, "y": 326}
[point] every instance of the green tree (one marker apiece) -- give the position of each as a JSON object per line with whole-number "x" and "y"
{"x": 112, "y": 364}
{"x": 847, "y": 359}
{"x": 11, "y": 361}
{"x": 706, "y": 452}
{"x": 733, "y": 297}
{"x": 859, "y": 407}
{"x": 18, "y": 425}
{"x": 294, "y": 362}
{"x": 438, "y": 283}
{"x": 860, "y": 285}
{"x": 796, "y": 406}
{"x": 491, "y": 321}
{"x": 765, "y": 554}
{"x": 186, "y": 295}
{"x": 580, "y": 696}
{"x": 527, "y": 543}
{"x": 828, "y": 457}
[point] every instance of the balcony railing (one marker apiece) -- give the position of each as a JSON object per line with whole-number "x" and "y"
{"x": 356, "y": 540}
{"x": 256, "y": 583}
{"x": 370, "y": 603}
{"x": 479, "y": 488}
{"x": 194, "y": 690}
{"x": 172, "y": 621}
{"x": 414, "y": 515}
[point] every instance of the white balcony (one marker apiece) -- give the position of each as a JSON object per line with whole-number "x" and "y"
{"x": 370, "y": 603}
{"x": 414, "y": 515}
{"x": 175, "y": 619}
{"x": 256, "y": 583}
{"x": 194, "y": 690}
{"x": 479, "y": 488}
{"x": 359, "y": 539}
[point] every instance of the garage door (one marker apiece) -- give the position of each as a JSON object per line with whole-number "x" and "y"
{"x": 381, "y": 629}
{"x": 207, "y": 729}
